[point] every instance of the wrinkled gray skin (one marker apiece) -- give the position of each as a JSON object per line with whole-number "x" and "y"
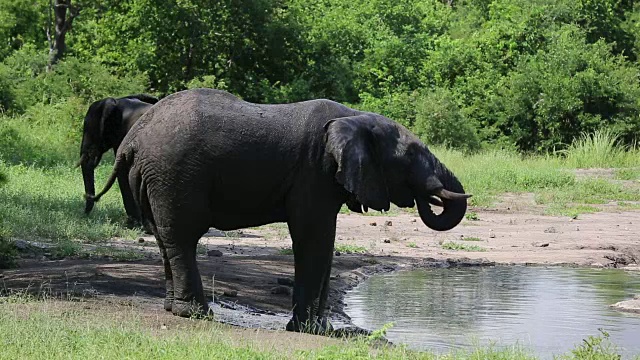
{"x": 105, "y": 125}
{"x": 202, "y": 158}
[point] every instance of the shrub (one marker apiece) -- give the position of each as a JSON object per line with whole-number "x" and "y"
{"x": 439, "y": 121}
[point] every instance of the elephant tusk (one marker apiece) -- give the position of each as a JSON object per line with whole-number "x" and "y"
{"x": 450, "y": 195}
{"x": 435, "y": 201}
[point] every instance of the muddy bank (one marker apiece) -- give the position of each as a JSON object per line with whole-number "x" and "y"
{"x": 253, "y": 268}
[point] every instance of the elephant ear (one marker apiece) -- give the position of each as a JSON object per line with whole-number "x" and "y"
{"x": 110, "y": 118}
{"x": 352, "y": 143}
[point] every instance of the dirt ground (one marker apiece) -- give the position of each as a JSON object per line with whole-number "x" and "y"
{"x": 253, "y": 261}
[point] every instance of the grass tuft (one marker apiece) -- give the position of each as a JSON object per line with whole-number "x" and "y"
{"x": 350, "y": 249}
{"x": 450, "y": 245}
{"x": 600, "y": 149}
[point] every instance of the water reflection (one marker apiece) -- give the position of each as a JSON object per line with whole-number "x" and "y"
{"x": 547, "y": 309}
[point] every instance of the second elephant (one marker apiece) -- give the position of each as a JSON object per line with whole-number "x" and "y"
{"x": 105, "y": 125}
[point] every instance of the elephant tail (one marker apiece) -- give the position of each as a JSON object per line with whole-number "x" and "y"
{"x": 112, "y": 179}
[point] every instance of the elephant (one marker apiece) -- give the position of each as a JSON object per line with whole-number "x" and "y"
{"x": 106, "y": 123}
{"x": 204, "y": 158}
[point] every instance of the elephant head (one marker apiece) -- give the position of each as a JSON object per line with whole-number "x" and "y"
{"x": 106, "y": 123}
{"x": 380, "y": 162}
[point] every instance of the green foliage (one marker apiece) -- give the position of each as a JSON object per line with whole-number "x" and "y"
{"x": 471, "y": 215}
{"x": 602, "y": 149}
{"x": 380, "y": 334}
{"x": 8, "y": 250}
{"x": 450, "y": 245}
{"x": 596, "y": 348}
{"x": 350, "y": 249}
{"x": 285, "y": 251}
{"x": 439, "y": 121}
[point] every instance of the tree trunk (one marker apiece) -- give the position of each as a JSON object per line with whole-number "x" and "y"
{"x": 64, "y": 15}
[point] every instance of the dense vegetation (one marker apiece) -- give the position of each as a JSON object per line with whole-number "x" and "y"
{"x": 529, "y": 75}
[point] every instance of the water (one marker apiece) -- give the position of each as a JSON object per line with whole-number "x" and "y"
{"x": 548, "y": 310}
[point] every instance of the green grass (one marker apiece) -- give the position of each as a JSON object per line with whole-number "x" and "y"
{"x": 600, "y": 149}
{"x": 470, "y": 238}
{"x": 450, "y": 245}
{"x": 285, "y": 251}
{"x": 60, "y": 330}
{"x": 627, "y": 174}
{"x": 412, "y": 245}
{"x": 113, "y": 253}
{"x": 472, "y": 216}
{"x": 350, "y": 249}
{"x": 48, "y": 203}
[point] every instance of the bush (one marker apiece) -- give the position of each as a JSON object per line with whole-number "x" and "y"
{"x": 439, "y": 121}
{"x": 573, "y": 87}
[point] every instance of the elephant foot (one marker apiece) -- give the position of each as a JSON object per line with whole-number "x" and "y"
{"x": 317, "y": 326}
{"x": 168, "y": 304}
{"x": 133, "y": 223}
{"x": 188, "y": 309}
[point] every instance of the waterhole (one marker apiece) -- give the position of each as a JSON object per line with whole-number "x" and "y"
{"x": 546, "y": 310}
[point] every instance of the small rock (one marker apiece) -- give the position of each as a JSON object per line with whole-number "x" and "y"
{"x": 415, "y": 229}
{"x": 386, "y": 241}
{"x": 492, "y": 235}
{"x": 285, "y": 281}
{"x": 413, "y": 220}
{"x": 577, "y": 228}
{"x": 281, "y": 290}
{"x": 373, "y": 223}
{"x": 163, "y": 327}
{"x": 338, "y": 253}
{"x": 388, "y": 223}
{"x": 536, "y": 244}
{"x": 140, "y": 240}
{"x": 214, "y": 253}
{"x": 230, "y": 293}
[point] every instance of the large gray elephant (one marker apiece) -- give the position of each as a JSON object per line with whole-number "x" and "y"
{"x": 202, "y": 158}
{"x": 106, "y": 123}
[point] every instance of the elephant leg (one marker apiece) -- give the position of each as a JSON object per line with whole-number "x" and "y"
{"x": 130, "y": 207}
{"x": 168, "y": 275}
{"x": 313, "y": 240}
{"x": 188, "y": 294}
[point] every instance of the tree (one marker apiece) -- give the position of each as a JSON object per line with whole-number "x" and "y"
{"x": 65, "y": 13}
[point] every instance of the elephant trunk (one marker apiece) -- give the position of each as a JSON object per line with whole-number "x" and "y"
{"x": 88, "y": 177}
{"x": 454, "y": 201}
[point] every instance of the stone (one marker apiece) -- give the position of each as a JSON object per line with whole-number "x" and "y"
{"x": 140, "y": 240}
{"x": 214, "y": 253}
{"x": 388, "y": 223}
{"x": 230, "y": 293}
{"x": 285, "y": 281}
{"x": 386, "y": 241}
{"x": 373, "y": 223}
{"x": 413, "y": 220}
{"x": 631, "y": 306}
{"x": 338, "y": 253}
{"x": 281, "y": 290}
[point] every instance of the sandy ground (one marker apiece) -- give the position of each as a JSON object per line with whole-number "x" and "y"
{"x": 252, "y": 261}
